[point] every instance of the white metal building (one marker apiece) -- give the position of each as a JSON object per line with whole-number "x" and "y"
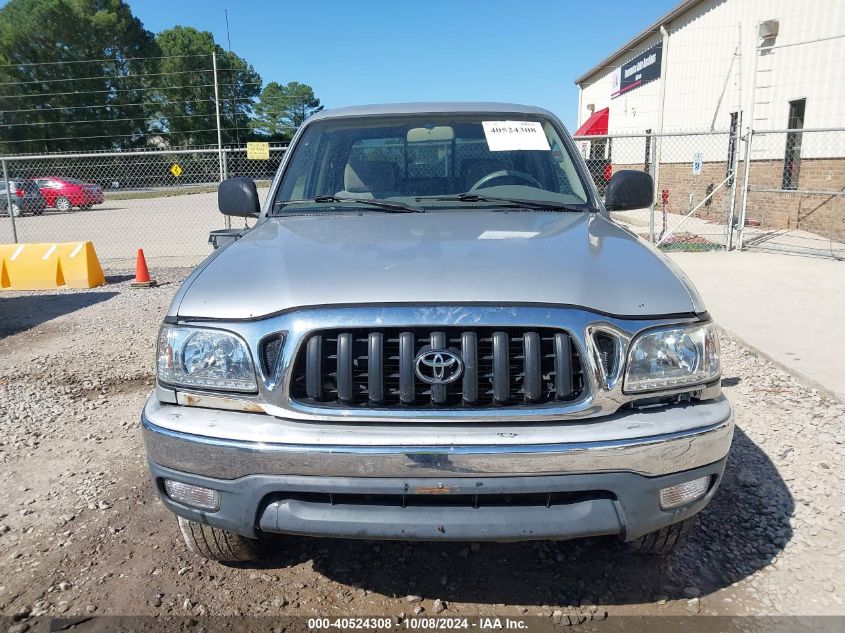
{"x": 696, "y": 66}
{"x": 681, "y": 96}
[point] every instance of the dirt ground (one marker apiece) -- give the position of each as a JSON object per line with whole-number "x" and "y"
{"x": 82, "y": 532}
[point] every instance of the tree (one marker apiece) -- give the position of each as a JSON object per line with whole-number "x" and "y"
{"x": 282, "y": 109}
{"x": 183, "y": 104}
{"x": 70, "y": 77}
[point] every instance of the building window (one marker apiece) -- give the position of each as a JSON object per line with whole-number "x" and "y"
{"x": 792, "y": 154}
{"x": 598, "y": 149}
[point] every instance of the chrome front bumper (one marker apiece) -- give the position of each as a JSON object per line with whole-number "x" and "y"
{"x": 230, "y": 445}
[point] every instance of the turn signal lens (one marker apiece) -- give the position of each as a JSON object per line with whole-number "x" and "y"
{"x": 684, "y": 494}
{"x": 194, "y": 496}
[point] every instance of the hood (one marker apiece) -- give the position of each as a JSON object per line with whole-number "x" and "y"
{"x": 453, "y": 257}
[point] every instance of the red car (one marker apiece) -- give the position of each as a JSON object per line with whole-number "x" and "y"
{"x": 65, "y": 193}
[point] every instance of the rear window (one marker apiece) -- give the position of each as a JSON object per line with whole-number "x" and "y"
{"x": 26, "y": 185}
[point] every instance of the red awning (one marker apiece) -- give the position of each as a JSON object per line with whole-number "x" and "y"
{"x": 595, "y": 125}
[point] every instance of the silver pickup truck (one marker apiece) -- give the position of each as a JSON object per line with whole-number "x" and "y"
{"x": 435, "y": 331}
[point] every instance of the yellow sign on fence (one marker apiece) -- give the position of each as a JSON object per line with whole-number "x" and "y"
{"x": 257, "y": 151}
{"x": 176, "y": 170}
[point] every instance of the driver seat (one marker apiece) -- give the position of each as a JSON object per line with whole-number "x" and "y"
{"x": 370, "y": 179}
{"x": 474, "y": 170}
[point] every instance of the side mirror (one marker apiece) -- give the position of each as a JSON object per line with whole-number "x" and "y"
{"x": 629, "y": 189}
{"x": 238, "y": 197}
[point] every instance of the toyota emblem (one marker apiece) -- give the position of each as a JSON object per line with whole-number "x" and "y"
{"x": 438, "y": 366}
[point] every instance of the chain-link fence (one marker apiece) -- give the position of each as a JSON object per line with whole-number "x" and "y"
{"x": 796, "y": 185}
{"x": 162, "y": 201}
{"x": 694, "y": 184}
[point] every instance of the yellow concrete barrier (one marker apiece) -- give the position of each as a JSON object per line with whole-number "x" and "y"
{"x": 45, "y": 266}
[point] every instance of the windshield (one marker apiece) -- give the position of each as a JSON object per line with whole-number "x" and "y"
{"x": 429, "y": 160}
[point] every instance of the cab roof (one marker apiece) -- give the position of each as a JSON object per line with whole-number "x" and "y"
{"x": 441, "y": 107}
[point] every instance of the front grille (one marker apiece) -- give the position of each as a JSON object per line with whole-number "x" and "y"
{"x": 270, "y": 349}
{"x": 442, "y": 500}
{"x": 607, "y": 353}
{"x": 376, "y": 368}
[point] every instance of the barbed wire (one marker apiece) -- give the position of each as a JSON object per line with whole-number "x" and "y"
{"x": 136, "y": 89}
{"x": 151, "y": 117}
{"x": 126, "y": 76}
{"x": 102, "y": 60}
{"x": 106, "y": 105}
{"x": 139, "y": 135}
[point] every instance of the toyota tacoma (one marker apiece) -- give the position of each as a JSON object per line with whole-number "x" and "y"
{"x": 434, "y": 330}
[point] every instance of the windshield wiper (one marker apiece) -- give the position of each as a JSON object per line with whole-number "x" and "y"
{"x": 385, "y": 205}
{"x": 545, "y": 205}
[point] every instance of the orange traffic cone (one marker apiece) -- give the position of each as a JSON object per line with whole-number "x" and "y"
{"x": 142, "y": 275}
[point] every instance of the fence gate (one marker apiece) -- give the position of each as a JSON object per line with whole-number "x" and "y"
{"x": 694, "y": 184}
{"x": 794, "y": 199}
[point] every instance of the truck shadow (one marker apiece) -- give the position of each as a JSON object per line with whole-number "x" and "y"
{"x": 24, "y": 312}
{"x": 741, "y": 531}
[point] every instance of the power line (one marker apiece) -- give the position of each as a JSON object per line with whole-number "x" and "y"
{"x": 139, "y": 89}
{"x": 72, "y": 138}
{"x": 93, "y": 61}
{"x": 128, "y": 76}
{"x": 151, "y": 117}
{"x": 110, "y": 105}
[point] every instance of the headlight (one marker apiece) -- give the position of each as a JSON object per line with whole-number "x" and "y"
{"x": 669, "y": 358}
{"x": 199, "y": 357}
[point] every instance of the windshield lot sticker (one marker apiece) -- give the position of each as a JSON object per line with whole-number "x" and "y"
{"x": 505, "y": 136}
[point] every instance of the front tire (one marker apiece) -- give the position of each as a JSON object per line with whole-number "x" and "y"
{"x": 663, "y": 541}
{"x": 216, "y": 544}
{"x": 63, "y": 204}
{"x": 16, "y": 210}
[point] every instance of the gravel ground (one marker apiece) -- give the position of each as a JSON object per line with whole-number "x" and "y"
{"x": 82, "y": 532}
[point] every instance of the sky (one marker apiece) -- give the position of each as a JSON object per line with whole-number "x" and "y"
{"x": 356, "y": 52}
{"x": 377, "y": 51}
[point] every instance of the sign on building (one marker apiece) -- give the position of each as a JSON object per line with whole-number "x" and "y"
{"x": 696, "y": 164}
{"x": 643, "y": 68}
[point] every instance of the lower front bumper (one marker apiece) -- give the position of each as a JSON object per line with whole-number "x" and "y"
{"x": 475, "y": 489}
{"x": 496, "y": 509}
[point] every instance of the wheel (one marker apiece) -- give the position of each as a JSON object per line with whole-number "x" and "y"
{"x": 216, "y": 544}
{"x": 16, "y": 209}
{"x": 664, "y": 540}
{"x": 63, "y": 204}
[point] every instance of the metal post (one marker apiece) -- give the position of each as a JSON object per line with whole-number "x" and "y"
{"x": 9, "y": 202}
{"x": 748, "y": 137}
{"x": 658, "y": 144}
{"x": 739, "y": 109}
{"x": 217, "y": 111}
{"x": 654, "y": 169}
{"x": 733, "y": 167}
{"x": 220, "y": 157}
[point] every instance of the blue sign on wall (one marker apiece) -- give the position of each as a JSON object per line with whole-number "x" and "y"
{"x": 643, "y": 68}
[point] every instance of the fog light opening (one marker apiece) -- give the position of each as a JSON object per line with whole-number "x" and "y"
{"x": 194, "y": 496}
{"x": 685, "y": 493}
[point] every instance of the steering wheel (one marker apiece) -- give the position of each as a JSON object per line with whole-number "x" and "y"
{"x": 504, "y": 173}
